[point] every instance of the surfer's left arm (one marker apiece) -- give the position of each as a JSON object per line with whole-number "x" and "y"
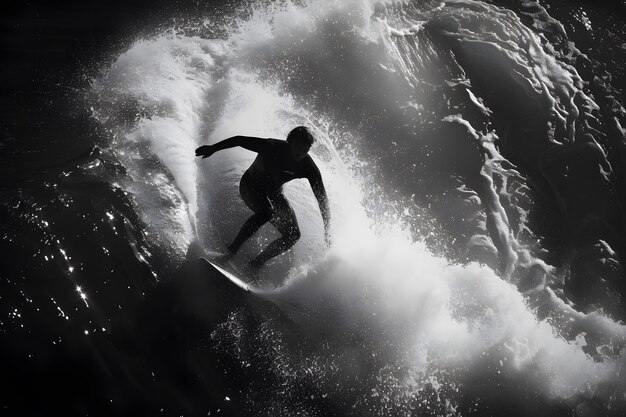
{"x": 319, "y": 191}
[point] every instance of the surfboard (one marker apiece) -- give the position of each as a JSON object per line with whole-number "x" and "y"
{"x": 234, "y": 279}
{"x": 219, "y": 263}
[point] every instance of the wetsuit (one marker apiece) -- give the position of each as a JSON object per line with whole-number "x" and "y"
{"x": 261, "y": 190}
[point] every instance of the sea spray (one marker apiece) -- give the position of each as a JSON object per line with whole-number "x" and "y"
{"x": 385, "y": 302}
{"x": 151, "y": 99}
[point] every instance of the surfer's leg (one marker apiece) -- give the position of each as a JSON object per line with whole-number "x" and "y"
{"x": 284, "y": 219}
{"x": 257, "y": 202}
{"x": 249, "y": 228}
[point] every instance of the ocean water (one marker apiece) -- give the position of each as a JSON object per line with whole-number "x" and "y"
{"x": 473, "y": 156}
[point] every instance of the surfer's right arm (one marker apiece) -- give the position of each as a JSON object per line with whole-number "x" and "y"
{"x": 247, "y": 142}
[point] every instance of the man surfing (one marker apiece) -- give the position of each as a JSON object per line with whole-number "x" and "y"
{"x": 277, "y": 162}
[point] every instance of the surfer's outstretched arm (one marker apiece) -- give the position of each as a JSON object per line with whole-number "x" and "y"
{"x": 247, "y": 142}
{"x": 319, "y": 191}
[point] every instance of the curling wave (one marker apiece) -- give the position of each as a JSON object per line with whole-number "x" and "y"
{"x": 442, "y": 128}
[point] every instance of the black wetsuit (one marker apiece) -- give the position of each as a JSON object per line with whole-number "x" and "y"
{"x": 261, "y": 185}
{"x": 261, "y": 190}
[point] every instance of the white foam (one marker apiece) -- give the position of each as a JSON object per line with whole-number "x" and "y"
{"x": 152, "y": 97}
{"x": 411, "y": 304}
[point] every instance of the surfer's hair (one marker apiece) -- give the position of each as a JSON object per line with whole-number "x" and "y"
{"x": 301, "y": 133}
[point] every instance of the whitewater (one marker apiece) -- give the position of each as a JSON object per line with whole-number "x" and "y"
{"x": 436, "y": 296}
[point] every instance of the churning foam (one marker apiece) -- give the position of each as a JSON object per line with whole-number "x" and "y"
{"x": 385, "y": 315}
{"x": 413, "y": 305}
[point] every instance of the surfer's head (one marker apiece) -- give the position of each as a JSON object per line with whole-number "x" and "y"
{"x": 300, "y": 140}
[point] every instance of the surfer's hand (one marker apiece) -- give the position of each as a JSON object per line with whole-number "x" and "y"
{"x": 205, "y": 151}
{"x": 327, "y": 238}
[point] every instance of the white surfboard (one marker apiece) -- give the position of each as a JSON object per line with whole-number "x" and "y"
{"x": 230, "y": 276}
{"x": 292, "y": 310}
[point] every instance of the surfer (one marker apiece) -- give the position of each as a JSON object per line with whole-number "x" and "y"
{"x": 277, "y": 162}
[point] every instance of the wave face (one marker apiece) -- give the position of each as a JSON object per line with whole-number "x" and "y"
{"x": 473, "y": 156}
{"x": 446, "y": 131}
{"x": 440, "y": 125}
